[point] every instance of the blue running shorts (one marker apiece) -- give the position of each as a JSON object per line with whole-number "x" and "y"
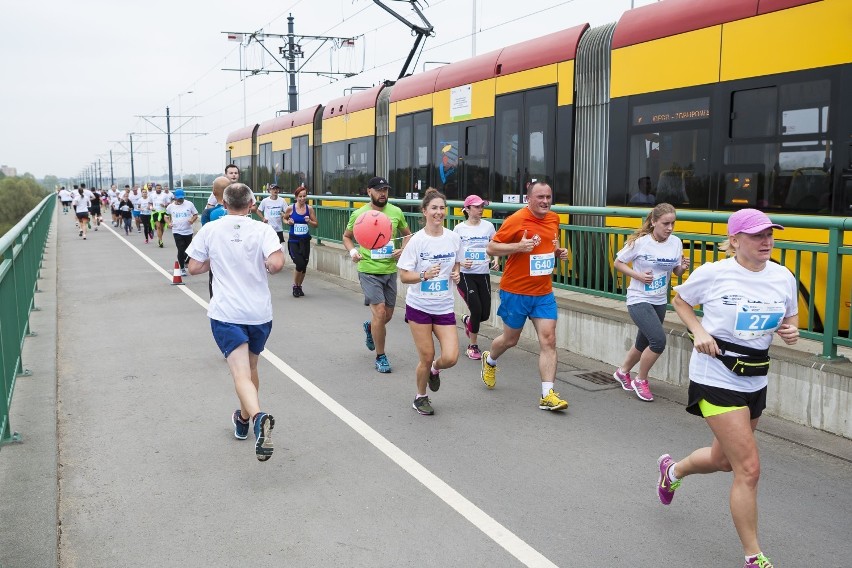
{"x": 229, "y": 336}
{"x": 516, "y": 308}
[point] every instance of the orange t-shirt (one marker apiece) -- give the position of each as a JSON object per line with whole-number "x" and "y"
{"x": 529, "y": 273}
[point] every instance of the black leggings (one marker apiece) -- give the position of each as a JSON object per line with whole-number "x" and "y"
{"x": 475, "y": 290}
{"x": 182, "y": 243}
{"x": 146, "y": 226}
{"x": 300, "y": 251}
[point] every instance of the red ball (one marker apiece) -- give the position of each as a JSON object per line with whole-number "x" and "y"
{"x": 372, "y": 229}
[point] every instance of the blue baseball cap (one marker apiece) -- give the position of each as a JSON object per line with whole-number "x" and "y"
{"x": 179, "y": 194}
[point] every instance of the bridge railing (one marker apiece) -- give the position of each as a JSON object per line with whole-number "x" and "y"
{"x": 822, "y": 269}
{"x": 21, "y": 251}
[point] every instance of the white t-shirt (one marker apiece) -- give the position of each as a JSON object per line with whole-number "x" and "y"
{"x": 143, "y": 204}
{"x": 271, "y": 209}
{"x": 433, "y": 296}
{"x": 181, "y": 215}
{"x": 661, "y": 258}
{"x": 474, "y": 239}
{"x": 212, "y": 201}
{"x": 134, "y": 199}
{"x": 64, "y": 195}
{"x": 81, "y": 202}
{"x": 237, "y": 248}
{"x": 742, "y": 307}
{"x": 159, "y": 200}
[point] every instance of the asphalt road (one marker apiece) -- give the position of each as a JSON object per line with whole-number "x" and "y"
{"x": 151, "y": 475}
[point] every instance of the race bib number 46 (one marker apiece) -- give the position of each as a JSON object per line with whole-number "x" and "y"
{"x": 542, "y": 264}
{"x": 756, "y": 320}
{"x": 437, "y": 286}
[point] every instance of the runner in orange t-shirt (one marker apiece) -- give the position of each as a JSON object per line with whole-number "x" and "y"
{"x": 530, "y": 240}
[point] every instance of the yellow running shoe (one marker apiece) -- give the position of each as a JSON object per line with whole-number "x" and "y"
{"x": 552, "y": 402}
{"x": 489, "y": 372}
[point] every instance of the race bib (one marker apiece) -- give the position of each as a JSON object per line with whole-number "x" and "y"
{"x": 438, "y": 287}
{"x": 302, "y": 229}
{"x": 542, "y": 264}
{"x": 658, "y": 285}
{"x": 384, "y": 252}
{"x": 477, "y": 255}
{"x": 756, "y": 320}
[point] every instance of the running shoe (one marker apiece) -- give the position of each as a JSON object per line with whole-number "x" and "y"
{"x": 642, "y": 390}
{"x": 382, "y": 364}
{"x": 434, "y": 380}
{"x": 758, "y": 561}
{"x": 81, "y": 232}
{"x": 552, "y": 402}
{"x": 295, "y": 291}
{"x": 665, "y": 487}
{"x": 299, "y": 291}
{"x": 369, "y": 333}
{"x": 160, "y": 243}
{"x": 624, "y": 379}
{"x": 240, "y": 428}
{"x": 489, "y": 372}
{"x": 422, "y": 405}
{"x": 183, "y": 272}
{"x": 146, "y": 241}
{"x": 466, "y": 322}
{"x": 263, "y": 425}
{"x": 473, "y": 352}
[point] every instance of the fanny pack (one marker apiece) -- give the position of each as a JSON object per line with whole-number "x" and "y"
{"x": 751, "y": 362}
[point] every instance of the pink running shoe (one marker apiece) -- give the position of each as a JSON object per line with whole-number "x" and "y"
{"x": 473, "y": 352}
{"x": 623, "y": 379}
{"x": 758, "y": 561}
{"x": 665, "y": 487}
{"x": 642, "y": 390}
{"x": 466, "y": 322}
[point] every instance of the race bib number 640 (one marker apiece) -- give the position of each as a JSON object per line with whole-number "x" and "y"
{"x": 542, "y": 264}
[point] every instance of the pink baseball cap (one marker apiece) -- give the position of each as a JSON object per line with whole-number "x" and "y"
{"x": 750, "y": 221}
{"x": 474, "y": 200}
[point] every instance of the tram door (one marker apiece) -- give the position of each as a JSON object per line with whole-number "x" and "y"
{"x": 413, "y": 149}
{"x": 524, "y": 141}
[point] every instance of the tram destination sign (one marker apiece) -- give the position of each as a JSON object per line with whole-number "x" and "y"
{"x": 672, "y": 111}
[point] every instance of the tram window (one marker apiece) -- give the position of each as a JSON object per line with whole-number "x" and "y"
{"x": 402, "y": 173}
{"x": 541, "y": 120}
{"x": 476, "y": 161}
{"x": 281, "y": 169}
{"x": 754, "y": 113}
{"x": 422, "y": 143}
{"x": 507, "y": 166}
{"x": 301, "y": 160}
{"x": 447, "y": 151}
{"x": 264, "y": 165}
{"x": 676, "y": 163}
{"x": 804, "y": 107}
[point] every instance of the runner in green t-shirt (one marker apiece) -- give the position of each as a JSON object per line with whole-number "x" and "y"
{"x": 377, "y": 268}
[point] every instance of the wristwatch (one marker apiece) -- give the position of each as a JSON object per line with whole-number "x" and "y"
{"x": 423, "y": 276}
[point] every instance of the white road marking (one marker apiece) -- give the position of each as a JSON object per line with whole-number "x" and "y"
{"x": 477, "y": 517}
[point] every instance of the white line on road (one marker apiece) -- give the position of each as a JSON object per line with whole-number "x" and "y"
{"x": 479, "y": 518}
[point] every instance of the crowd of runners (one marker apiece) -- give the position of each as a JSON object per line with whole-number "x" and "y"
{"x": 745, "y": 298}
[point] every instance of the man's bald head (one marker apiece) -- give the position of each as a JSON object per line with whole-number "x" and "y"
{"x": 219, "y": 185}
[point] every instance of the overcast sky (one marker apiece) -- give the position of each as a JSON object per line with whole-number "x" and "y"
{"x": 79, "y": 75}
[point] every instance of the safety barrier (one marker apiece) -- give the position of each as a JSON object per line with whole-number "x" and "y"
{"x": 21, "y": 251}
{"x": 817, "y": 266}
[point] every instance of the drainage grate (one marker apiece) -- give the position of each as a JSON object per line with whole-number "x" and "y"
{"x": 597, "y": 377}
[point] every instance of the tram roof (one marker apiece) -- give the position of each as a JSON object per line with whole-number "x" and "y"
{"x": 243, "y": 133}
{"x": 545, "y": 50}
{"x": 359, "y": 100}
{"x": 673, "y": 17}
{"x": 289, "y": 120}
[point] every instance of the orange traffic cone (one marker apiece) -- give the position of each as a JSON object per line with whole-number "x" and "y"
{"x": 176, "y": 279}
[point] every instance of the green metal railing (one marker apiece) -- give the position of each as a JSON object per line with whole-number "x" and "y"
{"x": 21, "y": 251}
{"x": 818, "y": 267}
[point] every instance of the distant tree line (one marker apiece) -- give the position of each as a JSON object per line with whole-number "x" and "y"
{"x": 18, "y": 196}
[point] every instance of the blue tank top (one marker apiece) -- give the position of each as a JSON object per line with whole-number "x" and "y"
{"x": 299, "y": 229}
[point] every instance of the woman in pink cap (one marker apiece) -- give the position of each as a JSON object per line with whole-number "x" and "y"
{"x": 475, "y": 284}
{"x": 746, "y": 299}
